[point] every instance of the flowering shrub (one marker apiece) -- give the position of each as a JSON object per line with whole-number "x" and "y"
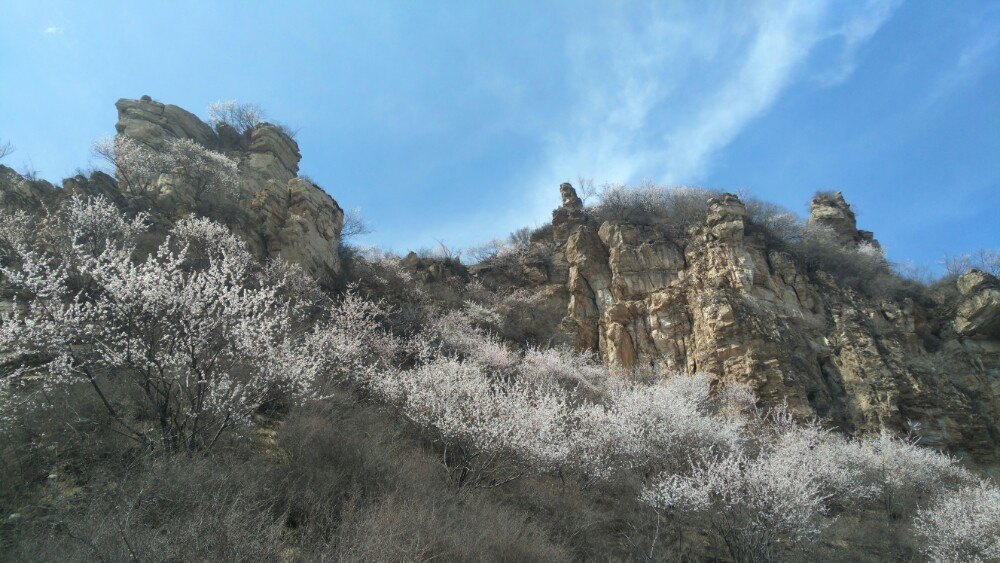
{"x": 201, "y": 339}
{"x": 139, "y": 167}
{"x": 578, "y": 373}
{"x": 651, "y": 425}
{"x": 751, "y": 502}
{"x": 899, "y": 471}
{"x": 491, "y": 431}
{"x": 454, "y": 333}
{"x": 962, "y": 526}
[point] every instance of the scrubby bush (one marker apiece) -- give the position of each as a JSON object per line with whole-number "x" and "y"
{"x": 419, "y": 529}
{"x": 672, "y": 209}
{"x": 779, "y": 226}
{"x": 6, "y": 148}
{"x": 354, "y": 226}
{"x": 504, "y": 255}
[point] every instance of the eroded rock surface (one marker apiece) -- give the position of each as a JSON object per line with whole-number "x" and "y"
{"x": 720, "y": 301}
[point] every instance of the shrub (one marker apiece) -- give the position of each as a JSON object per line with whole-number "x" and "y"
{"x": 779, "y": 226}
{"x": 139, "y": 167}
{"x": 354, "y": 226}
{"x": 650, "y": 426}
{"x": 962, "y": 526}
{"x": 177, "y": 508}
{"x": 674, "y": 210}
{"x": 199, "y": 338}
{"x": 490, "y": 431}
{"x": 900, "y": 472}
{"x": 751, "y": 503}
{"x": 242, "y": 117}
{"x": 400, "y": 528}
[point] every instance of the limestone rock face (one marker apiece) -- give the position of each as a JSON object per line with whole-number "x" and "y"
{"x": 720, "y": 301}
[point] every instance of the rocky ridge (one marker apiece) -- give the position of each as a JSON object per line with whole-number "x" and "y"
{"x": 723, "y": 301}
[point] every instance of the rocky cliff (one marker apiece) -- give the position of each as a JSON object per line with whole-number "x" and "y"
{"x": 277, "y": 212}
{"x": 719, "y": 298}
{"x": 722, "y": 300}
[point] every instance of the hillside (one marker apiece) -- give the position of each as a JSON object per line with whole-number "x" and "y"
{"x": 668, "y": 373}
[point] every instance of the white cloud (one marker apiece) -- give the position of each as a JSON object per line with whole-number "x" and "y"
{"x": 658, "y": 94}
{"x": 53, "y": 30}
{"x": 685, "y": 85}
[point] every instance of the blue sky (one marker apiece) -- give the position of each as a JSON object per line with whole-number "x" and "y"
{"x": 456, "y": 121}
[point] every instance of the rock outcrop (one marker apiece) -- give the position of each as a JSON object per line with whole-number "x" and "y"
{"x": 977, "y": 314}
{"x": 832, "y": 211}
{"x": 721, "y": 301}
{"x": 278, "y": 213}
{"x": 151, "y": 122}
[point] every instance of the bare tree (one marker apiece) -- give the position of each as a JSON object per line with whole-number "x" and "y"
{"x": 585, "y": 188}
{"x": 985, "y": 259}
{"x": 354, "y": 226}
{"x": 5, "y": 149}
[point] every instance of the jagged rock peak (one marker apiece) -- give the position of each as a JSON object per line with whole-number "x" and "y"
{"x": 569, "y": 216}
{"x": 569, "y": 197}
{"x": 830, "y": 209}
{"x": 721, "y": 302}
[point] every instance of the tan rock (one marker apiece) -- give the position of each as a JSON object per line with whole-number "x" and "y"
{"x": 721, "y": 302}
{"x": 978, "y": 312}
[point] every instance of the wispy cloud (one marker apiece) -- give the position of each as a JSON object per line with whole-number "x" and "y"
{"x": 979, "y": 53}
{"x": 52, "y": 30}
{"x": 657, "y": 92}
{"x": 667, "y": 99}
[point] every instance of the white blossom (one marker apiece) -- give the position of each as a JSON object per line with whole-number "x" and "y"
{"x": 205, "y": 343}
{"x": 139, "y": 167}
{"x": 962, "y": 526}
